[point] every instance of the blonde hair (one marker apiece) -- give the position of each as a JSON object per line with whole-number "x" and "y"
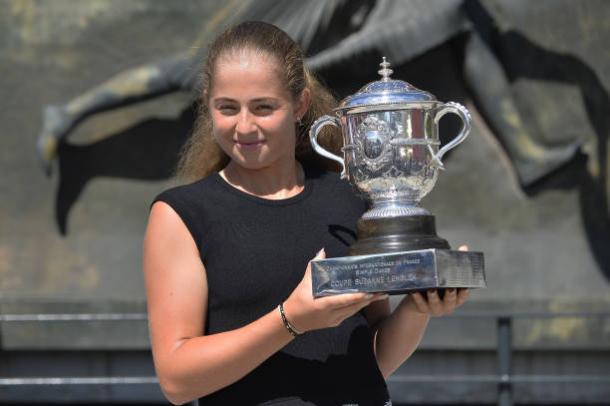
{"x": 201, "y": 155}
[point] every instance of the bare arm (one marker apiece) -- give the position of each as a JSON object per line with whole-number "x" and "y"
{"x": 190, "y": 364}
{"x": 398, "y": 336}
{"x": 398, "y": 332}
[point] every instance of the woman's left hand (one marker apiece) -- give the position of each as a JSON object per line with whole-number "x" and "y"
{"x": 432, "y": 304}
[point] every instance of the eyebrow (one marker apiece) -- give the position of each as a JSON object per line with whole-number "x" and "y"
{"x": 257, "y": 100}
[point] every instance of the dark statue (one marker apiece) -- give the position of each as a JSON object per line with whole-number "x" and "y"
{"x": 498, "y": 58}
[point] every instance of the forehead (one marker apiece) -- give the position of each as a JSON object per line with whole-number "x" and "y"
{"x": 247, "y": 74}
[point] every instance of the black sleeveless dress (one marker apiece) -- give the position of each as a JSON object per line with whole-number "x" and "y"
{"x": 255, "y": 252}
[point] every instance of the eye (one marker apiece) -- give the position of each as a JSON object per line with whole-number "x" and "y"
{"x": 263, "y": 109}
{"x": 227, "y": 109}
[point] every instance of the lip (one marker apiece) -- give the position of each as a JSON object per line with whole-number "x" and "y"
{"x": 249, "y": 145}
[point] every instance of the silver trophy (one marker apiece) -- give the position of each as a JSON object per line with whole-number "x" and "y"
{"x": 391, "y": 155}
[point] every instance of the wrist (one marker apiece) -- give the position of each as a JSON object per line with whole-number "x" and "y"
{"x": 294, "y": 331}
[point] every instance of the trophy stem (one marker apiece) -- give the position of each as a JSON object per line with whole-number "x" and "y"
{"x": 396, "y": 234}
{"x": 394, "y": 208}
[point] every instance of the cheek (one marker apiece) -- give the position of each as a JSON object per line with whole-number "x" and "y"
{"x": 220, "y": 124}
{"x": 278, "y": 124}
{"x": 270, "y": 124}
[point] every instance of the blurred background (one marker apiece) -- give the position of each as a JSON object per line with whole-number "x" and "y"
{"x": 98, "y": 96}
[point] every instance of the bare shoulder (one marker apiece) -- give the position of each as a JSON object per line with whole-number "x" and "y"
{"x": 176, "y": 285}
{"x": 166, "y": 233}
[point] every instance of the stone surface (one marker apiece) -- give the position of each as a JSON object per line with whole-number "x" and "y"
{"x": 537, "y": 246}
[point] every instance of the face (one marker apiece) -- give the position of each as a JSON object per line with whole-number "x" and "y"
{"x": 253, "y": 115}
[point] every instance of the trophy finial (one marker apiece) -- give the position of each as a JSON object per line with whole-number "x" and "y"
{"x": 385, "y": 71}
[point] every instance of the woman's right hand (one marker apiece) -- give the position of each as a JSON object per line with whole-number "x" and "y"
{"x": 307, "y": 313}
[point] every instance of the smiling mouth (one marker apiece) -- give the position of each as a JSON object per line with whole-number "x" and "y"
{"x": 250, "y": 145}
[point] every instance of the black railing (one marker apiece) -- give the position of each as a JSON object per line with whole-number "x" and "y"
{"x": 504, "y": 378}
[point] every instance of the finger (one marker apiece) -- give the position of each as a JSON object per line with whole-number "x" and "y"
{"x": 462, "y": 296}
{"x": 450, "y": 300}
{"x": 380, "y": 296}
{"x": 345, "y": 299}
{"x": 349, "y": 310}
{"x": 420, "y": 302}
{"x": 369, "y": 298}
{"x": 319, "y": 255}
{"x": 345, "y": 312}
{"x": 434, "y": 302}
{"x": 463, "y": 248}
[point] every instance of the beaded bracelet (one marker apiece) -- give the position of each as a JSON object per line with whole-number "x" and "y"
{"x": 293, "y": 331}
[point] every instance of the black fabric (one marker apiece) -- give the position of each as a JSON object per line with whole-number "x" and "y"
{"x": 255, "y": 252}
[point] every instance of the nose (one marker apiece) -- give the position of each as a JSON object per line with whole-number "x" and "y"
{"x": 245, "y": 122}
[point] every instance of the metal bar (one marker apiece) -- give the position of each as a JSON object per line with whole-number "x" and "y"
{"x": 530, "y": 315}
{"x": 505, "y": 395}
{"x": 491, "y": 379}
{"x": 143, "y": 316}
{"x": 73, "y": 317}
{"x": 444, "y": 378}
{"x": 560, "y": 379}
{"x": 495, "y": 379}
{"x": 101, "y": 380}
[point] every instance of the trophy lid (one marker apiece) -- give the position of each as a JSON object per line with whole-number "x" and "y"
{"x": 386, "y": 91}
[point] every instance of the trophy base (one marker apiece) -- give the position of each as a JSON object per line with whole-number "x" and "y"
{"x": 399, "y": 272}
{"x": 396, "y": 234}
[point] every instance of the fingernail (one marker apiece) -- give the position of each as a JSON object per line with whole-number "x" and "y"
{"x": 368, "y": 296}
{"x": 431, "y": 291}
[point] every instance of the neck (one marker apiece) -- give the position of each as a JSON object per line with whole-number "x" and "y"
{"x": 275, "y": 183}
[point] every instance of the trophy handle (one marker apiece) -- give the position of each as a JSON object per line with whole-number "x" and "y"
{"x": 313, "y": 137}
{"x": 461, "y": 111}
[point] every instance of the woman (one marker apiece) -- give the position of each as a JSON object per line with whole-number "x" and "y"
{"x": 231, "y": 313}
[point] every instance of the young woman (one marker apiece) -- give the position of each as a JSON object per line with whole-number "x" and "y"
{"x": 226, "y": 257}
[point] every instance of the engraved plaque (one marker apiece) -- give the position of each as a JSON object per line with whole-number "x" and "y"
{"x": 399, "y": 272}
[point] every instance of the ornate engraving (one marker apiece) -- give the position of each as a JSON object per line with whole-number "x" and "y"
{"x": 373, "y": 142}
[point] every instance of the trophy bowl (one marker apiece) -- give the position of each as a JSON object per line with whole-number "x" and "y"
{"x": 392, "y": 155}
{"x": 391, "y": 143}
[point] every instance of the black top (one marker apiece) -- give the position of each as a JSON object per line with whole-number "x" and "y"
{"x": 255, "y": 252}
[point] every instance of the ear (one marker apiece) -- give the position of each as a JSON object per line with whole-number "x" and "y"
{"x": 302, "y": 104}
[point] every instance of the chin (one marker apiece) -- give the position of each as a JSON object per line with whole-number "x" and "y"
{"x": 257, "y": 160}
{"x": 253, "y": 163}
{"x": 254, "y": 166}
